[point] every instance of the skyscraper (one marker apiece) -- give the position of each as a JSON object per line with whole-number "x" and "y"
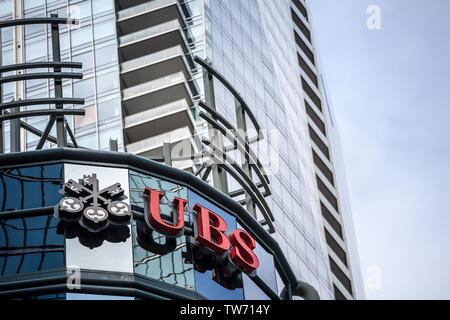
{"x": 228, "y": 90}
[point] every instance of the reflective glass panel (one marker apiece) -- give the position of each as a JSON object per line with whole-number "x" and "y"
{"x": 204, "y": 281}
{"x": 171, "y": 267}
{"x": 34, "y": 243}
{"x": 32, "y": 187}
{"x": 30, "y": 245}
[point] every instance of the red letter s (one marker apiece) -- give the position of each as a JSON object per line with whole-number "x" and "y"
{"x": 242, "y": 252}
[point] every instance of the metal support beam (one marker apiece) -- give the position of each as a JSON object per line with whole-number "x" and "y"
{"x": 61, "y": 135}
{"x": 19, "y": 94}
{"x": 16, "y": 111}
{"x": 167, "y": 154}
{"x": 43, "y": 112}
{"x": 46, "y": 133}
{"x": 219, "y": 175}
{"x": 71, "y": 135}
{"x": 39, "y": 101}
{"x": 39, "y": 133}
{"x": 113, "y": 145}
{"x": 245, "y": 159}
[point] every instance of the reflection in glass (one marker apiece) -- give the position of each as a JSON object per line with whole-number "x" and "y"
{"x": 102, "y": 5}
{"x": 169, "y": 268}
{"x": 204, "y": 282}
{"x": 83, "y": 88}
{"x": 104, "y": 29}
{"x": 81, "y": 36}
{"x": 108, "y": 109}
{"x": 266, "y": 272}
{"x": 107, "y": 82}
{"x": 110, "y": 250}
{"x": 105, "y": 55}
{"x": 30, "y": 244}
{"x": 32, "y": 187}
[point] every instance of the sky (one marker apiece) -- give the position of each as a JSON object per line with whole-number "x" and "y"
{"x": 390, "y": 88}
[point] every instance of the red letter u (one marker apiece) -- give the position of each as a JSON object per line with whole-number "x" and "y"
{"x": 154, "y": 213}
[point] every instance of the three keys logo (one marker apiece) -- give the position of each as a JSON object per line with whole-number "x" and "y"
{"x": 94, "y": 209}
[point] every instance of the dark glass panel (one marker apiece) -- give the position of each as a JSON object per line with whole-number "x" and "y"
{"x": 32, "y": 187}
{"x": 30, "y": 244}
{"x": 52, "y": 296}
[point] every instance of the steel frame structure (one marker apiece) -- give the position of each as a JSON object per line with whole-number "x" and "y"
{"x": 56, "y": 115}
{"x": 242, "y": 142}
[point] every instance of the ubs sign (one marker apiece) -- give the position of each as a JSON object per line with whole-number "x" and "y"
{"x": 211, "y": 246}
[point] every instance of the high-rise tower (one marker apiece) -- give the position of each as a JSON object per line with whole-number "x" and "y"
{"x": 228, "y": 90}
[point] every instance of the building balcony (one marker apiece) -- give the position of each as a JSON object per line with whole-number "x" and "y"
{"x": 153, "y": 66}
{"x": 158, "y": 120}
{"x": 151, "y": 40}
{"x": 155, "y": 93}
{"x": 148, "y": 14}
{"x": 181, "y": 142}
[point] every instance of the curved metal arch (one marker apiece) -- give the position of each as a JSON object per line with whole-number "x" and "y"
{"x": 34, "y": 102}
{"x": 26, "y": 21}
{"x": 37, "y": 65}
{"x": 248, "y": 189}
{"x": 57, "y": 76}
{"x": 229, "y": 126}
{"x": 241, "y": 148}
{"x": 233, "y": 91}
{"x": 240, "y": 176}
{"x": 45, "y": 112}
{"x": 41, "y": 75}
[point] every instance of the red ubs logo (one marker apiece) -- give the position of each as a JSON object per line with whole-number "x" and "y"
{"x": 212, "y": 248}
{"x": 96, "y": 215}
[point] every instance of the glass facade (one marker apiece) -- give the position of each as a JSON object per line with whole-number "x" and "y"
{"x": 249, "y": 42}
{"x": 44, "y": 243}
{"x": 94, "y": 44}
{"x": 203, "y": 280}
{"x": 177, "y": 267}
{"x": 170, "y": 268}
{"x": 30, "y": 244}
{"x": 243, "y": 43}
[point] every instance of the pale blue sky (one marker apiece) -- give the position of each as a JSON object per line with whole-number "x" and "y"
{"x": 391, "y": 90}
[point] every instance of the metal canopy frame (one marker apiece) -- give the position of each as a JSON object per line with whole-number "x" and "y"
{"x": 233, "y": 91}
{"x": 56, "y": 115}
{"x": 238, "y": 136}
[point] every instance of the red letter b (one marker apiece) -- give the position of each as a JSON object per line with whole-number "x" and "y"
{"x": 211, "y": 236}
